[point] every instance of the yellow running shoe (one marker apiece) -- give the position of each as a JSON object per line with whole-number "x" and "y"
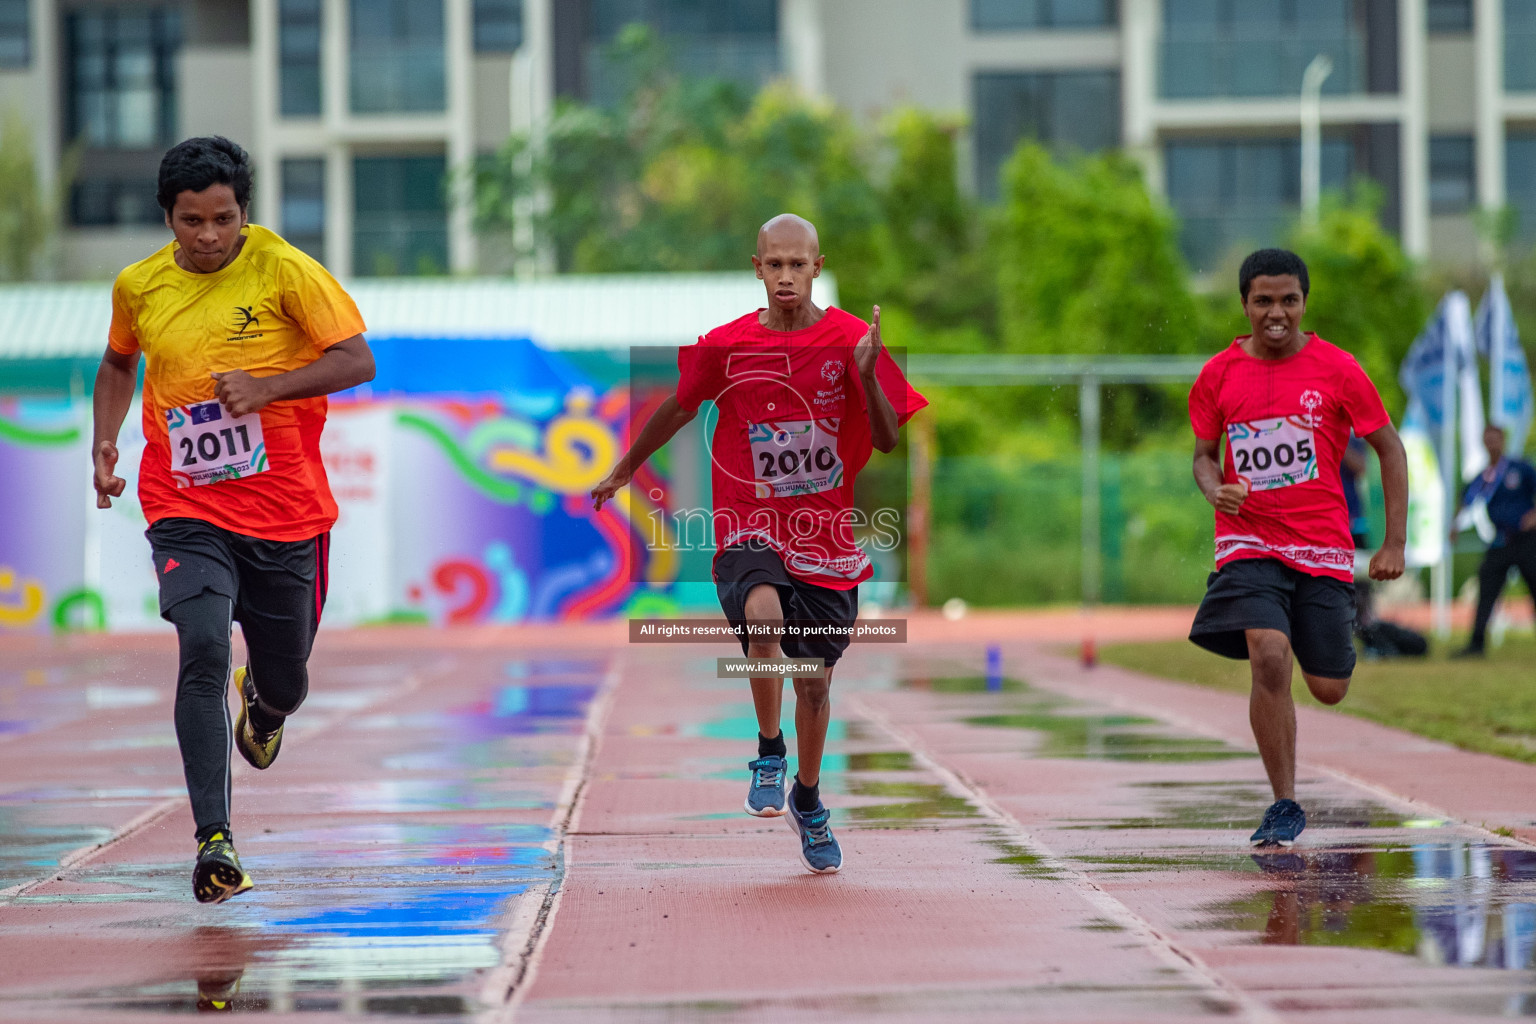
{"x": 258, "y": 751}
{"x": 218, "y": 874}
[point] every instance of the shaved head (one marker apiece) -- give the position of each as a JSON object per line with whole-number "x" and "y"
{"x": 788, "y": 228}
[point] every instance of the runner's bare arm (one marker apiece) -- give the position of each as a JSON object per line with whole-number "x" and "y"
{"x": 665, "y": 422}
{"x": 115, "y": 380}
{"x": 884, "y": 424}
{"x": 1226, "y": 498}
{"x": 345, "y": 364}
{"x": 1387, "y": 564}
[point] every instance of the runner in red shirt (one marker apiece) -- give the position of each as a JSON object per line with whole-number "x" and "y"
{"x": 1286, "y": 403}
{"x": 804, "y": 394}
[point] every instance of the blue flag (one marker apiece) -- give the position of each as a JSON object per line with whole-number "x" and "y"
{"x": 1510, "y": 403}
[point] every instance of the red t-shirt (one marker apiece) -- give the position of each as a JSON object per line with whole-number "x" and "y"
{"x": 793, "y": 434}
{"x": 1286, "y": 422}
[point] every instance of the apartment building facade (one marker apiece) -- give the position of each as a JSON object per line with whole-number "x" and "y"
{"x": 363, "y": 114}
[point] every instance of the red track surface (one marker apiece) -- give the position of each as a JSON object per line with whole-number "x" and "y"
{"x": 545, "y": 825}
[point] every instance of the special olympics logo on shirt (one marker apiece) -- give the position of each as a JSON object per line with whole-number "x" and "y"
{"x": 1312, "y": 401}
{"x": 831, "y": 370}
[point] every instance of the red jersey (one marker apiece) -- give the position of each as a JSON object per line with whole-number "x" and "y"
{"x": 1286, "y": 422}
{"x": 792, "y": 436}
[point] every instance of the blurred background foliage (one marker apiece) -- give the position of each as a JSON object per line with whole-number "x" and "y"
{"x": 1075, "y": 256}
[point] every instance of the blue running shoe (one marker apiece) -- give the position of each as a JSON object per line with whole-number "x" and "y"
{"x": 1282, "y": 823}
{"x": 819, "y": 851}
{"x": 766, "y": 797}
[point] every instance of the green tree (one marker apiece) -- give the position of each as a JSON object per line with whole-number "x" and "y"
{"x": 1367, "y": 295}
{"x": 1088, "y": 261}
{"x": 26, "y": 213}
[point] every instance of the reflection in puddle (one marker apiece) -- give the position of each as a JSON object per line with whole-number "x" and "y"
{"x": 29, "y": 850}
{"x": 1235, "y": 805}
{"x": 1067, "y": 732}
{"x": 1457, "y": 904}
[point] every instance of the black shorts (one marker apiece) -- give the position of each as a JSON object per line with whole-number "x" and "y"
{"x": 740, "y": 568}
{"x": 277, "y": 587}
{"x": 1317, "y": 613}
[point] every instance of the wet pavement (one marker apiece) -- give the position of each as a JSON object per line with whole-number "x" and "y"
{"x": 499, "y": 826}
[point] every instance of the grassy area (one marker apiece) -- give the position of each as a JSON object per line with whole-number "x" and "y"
{"x": 1487, "y": 705}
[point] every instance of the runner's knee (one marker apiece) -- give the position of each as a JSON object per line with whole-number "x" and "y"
{"x": 762, "y": 604}
{"x": 813, "y": 694}
{"x": 281, "y": 683}
{"x": 1326, "y": 690}
{"x": 1269, "y": 651}
{"x": 202, "y": 632}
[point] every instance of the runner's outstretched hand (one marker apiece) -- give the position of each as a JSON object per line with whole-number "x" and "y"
{"x": 1387, "y": 564}
{"x": 108, "y": 484}
{"x": 866, "y": 353}
{"x": 604, "y": 492}
{"x": 241, "y": 393}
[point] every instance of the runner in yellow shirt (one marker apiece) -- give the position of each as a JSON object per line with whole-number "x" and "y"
{"x": 243, "y": 337}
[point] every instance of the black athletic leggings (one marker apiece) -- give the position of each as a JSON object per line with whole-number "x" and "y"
{"x": 204, "y": 730}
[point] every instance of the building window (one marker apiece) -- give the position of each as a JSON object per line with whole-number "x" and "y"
{"x": 103, "y": 202}
{"x": 298, "y": 57}
{"x": 498, "y": 26}
{"x": 397, "y": 56}
{"x": 15, "y": 34}
{"x": 1005, "y": 15}
{"x": 304, "y": 205}
{"x": 1520, "y": 45}
{"x": 1449, "y": 15}
{"x": 1452, "y": 173}
{"x": 1242, "y": 48}
{"x": 1068, "y": 110}
{"x": 400, "y": 221}
{"x": 1520, "y": 181}
{"x": 732, "y": 39}
{"x": 122, "y": 77}
{"x": 1236, "y": 195}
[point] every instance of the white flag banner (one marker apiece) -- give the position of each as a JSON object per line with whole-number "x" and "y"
{"x": 1510, "y": 402}
{"x": 1469, "y": 387}
{"x": 1426, "y": 493}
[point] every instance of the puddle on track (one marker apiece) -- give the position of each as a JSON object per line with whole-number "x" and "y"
{"x": 392, "y": 916}
{"x": 1458, "y": 904}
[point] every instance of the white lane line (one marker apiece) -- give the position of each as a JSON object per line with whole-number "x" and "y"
{"x": 527, "y": 929}
{"x": 1166, "y": 948}
{"x": 149, "y": 816}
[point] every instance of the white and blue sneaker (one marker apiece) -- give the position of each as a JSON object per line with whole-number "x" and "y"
{"x": 819, "y": 851}
{"x": 765, "y": 799}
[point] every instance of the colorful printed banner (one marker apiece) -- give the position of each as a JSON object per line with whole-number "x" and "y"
{"x": 454, "y": 510}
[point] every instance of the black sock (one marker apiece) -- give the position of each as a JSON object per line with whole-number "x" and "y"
{"x": 772, "y": 747}
{"x": 806, "y": 798}
{"x": 208, "y": 830}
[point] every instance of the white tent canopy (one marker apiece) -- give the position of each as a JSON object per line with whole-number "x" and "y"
{"x": 69, "y": 321}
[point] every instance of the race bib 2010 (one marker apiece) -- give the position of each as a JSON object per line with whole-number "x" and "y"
{"x": 1273, "y": 453}
{"x": 791, "y": 457}
{"x": 209, "y": 445}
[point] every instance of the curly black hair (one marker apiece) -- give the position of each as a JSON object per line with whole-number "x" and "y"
{"x": 200, "y": 163}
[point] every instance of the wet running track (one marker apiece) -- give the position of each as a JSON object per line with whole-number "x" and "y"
{"x": 545, "y": 825}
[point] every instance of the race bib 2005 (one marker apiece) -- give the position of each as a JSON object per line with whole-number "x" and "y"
{"x": 791, "y": 457}
{"x": 1273, "y": 453}
{"x": 209, "y": 445}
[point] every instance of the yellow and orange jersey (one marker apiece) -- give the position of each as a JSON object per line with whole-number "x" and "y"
{"x": 273, "y": 309}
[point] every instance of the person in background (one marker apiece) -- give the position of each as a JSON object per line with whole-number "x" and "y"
{"x": 1504, "y": 496}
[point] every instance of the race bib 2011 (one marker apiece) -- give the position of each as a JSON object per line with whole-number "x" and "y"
{"x": 791, "y": 457}
{"x": 209, "y": 445}
{"x": 1273, "y": 453}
